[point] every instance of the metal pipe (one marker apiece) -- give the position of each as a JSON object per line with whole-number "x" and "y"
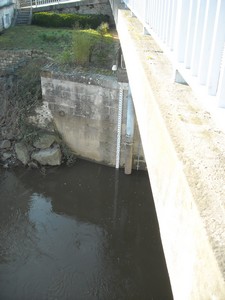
{"x": 119, "y": 123}
{"x": 129, "y": 134}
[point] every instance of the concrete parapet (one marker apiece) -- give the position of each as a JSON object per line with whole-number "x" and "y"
{"x": 185, "y": 156}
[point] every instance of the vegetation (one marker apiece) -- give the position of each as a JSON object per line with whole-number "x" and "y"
{"x": 69, "y": 47}
{"x": 103, "y": 28}
{"x": 65, "y": 47}
{"x": 22, "y": 95}
{"x": 89, "y": 47}
{"x": 48, "y": 19}
{"x": 49, "y": 40}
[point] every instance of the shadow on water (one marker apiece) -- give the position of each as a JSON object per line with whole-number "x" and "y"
{"x": 85, "y": 232}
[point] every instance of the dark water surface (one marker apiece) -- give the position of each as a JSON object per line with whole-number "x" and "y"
{"x": 84, "y": 232}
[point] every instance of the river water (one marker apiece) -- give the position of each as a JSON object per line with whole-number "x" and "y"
{"x": 82, "y": 232}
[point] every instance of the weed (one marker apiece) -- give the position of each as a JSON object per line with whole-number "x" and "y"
{"x": 67, "y": 46}
{"x": 49, "y": 37}
{"x": 82, "y": 47}
{"x": 103, "y": 29}
{"x": 66, "y": 57}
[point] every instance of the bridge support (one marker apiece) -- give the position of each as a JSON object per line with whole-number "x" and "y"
{"x": 129, "y": 134}
{"x": 175, "y": 131}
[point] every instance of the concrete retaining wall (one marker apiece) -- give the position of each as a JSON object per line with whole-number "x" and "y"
{"x": 81, "y": 7}
{"x": 12, "y": 59}
{"x": 85, "y": 111}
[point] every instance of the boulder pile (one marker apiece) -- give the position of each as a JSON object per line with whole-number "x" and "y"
{"x": 44, "y": 151}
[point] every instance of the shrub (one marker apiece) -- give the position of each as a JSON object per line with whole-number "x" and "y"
{"x": 103, "y": 28}
{"x": 82, "y": 47}
{"x": 47, "y": 19}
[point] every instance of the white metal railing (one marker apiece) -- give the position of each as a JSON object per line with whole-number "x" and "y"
{"x": 49, "y": 2}
{"x": 192, "y": 33}
{"x": 44, "y": 2}
{"x": 38, "y": 3}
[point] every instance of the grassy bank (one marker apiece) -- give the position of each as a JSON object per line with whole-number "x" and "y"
{"x": 60, "y": 43}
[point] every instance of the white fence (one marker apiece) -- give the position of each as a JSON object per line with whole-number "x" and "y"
{"x": 36, "y": 3}
{"x": 192, "y": 33}
{"x": 44, "y": 2}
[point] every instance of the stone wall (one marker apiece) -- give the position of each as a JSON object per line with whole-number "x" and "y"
{"x": 12, "y": 59}
{"x": 81, "y": 7}
{"x": 85, "y": 111}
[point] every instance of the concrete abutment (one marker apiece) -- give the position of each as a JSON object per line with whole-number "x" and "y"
{"x": 85, "y": 111}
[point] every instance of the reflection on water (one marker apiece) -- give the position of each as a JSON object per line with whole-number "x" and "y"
{"x": 87, "y": 232}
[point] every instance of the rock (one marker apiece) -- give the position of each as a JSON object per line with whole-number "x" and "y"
{"x": 44, "y": 141}
{"x": 5, "y": 144}
{"x": 22, "y": 153}
{"x": 33, "y": 165}
{"x": 50, "y": 156}
{"x": 6, "y": 155}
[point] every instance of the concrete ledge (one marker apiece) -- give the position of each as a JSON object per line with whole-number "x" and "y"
{"x": 185, "y": 156}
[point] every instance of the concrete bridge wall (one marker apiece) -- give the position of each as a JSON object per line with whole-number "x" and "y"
{"x": 184, "y": 151}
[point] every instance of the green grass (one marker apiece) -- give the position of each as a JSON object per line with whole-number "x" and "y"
{"x": 49, "y": 40}
{"x": 90, "y": 47}
{"x": 61, "y": 44}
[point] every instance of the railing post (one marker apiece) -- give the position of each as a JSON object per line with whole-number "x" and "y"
{"x": 217, "y": 49}
{"x": 221, "y": 86}
{"x": 190, "y": 34}
{"x": 207, "y": 40}
{"x": 171, "y": 38}
{"x": 198, "y": 37}
{"x": 157, "y": 16}
{"x": 164, "y": 19}
{"x": 181, "y": 30}
{"x": 168, "y": 22}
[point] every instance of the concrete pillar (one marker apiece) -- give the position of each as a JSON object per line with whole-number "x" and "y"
{"x": 129, "y": 134}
